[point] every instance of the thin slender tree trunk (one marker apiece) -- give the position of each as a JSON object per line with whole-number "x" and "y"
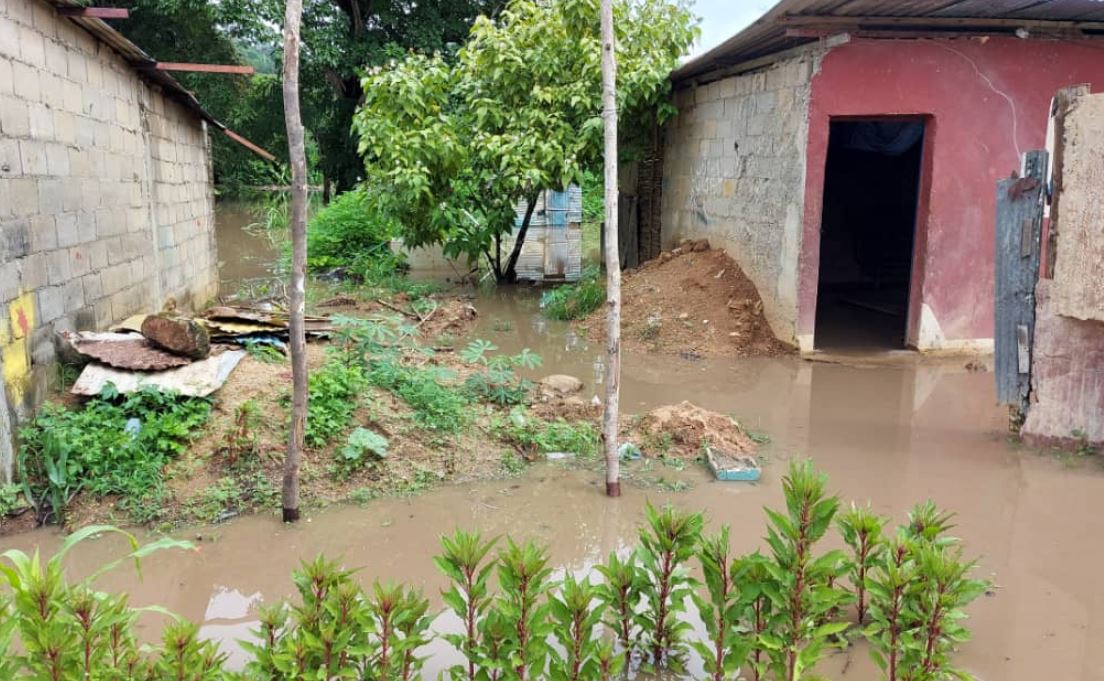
{"x": 613, "y": 259}
{"x": 296, "y": 300}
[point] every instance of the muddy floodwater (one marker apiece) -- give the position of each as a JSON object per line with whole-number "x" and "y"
{"x": 893, "y": 432}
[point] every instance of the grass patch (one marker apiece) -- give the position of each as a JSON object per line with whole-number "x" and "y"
{"x": 535, "y": 436}
{"x": 575, "y": 301}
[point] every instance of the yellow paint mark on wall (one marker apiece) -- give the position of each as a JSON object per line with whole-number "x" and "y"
{"x": 14, "y": 343}
{"x": 16, "y": 369}
{"x": 21, "y": 311}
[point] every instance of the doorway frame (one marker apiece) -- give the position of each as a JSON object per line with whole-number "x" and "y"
{"x": 919, "y": 258}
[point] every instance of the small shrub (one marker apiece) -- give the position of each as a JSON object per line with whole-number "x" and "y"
{"x": 334, "y": 392}
{"x": 575, "y": 301}
{"x": 349, "y": 233}
{"x": 362, "y": 446}
{"x": 497, "y": 382}
{"x": 9, "y": 499}
{"x": 437, "y": 405}
{"x": 532, "y": 435}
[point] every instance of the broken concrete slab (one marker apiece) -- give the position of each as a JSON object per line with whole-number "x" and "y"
{"x": 179, "y": 335}
{"x": 197, "y": 379}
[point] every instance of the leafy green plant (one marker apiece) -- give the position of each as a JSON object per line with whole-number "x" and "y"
{"x": 889, "y": 585}
{"x": 802, "y": 593}
{"x": 349, "y": 232}
{"x": 361, "y": 446}
{"x": 576, "y": 616}
{"x": 523, "y": 579}
{"x": 62, "y": 631}
{"x": 861, "y": 529}
{"x": 497, "y": 382}
{"x": 620, "y": 592}
{"x": 264, "y": 352}
{"x": 533, "y": 435}
{"x": 728, "y": 646}
{"x": 754, "y": 580}
{"x": 667, "y": 543}
{"x": 463, "y": 562}
{"x": 575, "y": 301}
{"x": 9, "y": 499}
{"x": 334, "y": 392}
{"x": 437, "y": 405}
{"x": 115, "y": 444}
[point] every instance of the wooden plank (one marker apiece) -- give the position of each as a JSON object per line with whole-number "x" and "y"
{"x": 249, "y": 145}
{"x": 203, "y": 68}
{"x": 95, "y": 12}
{"x": 1018, "y": 241}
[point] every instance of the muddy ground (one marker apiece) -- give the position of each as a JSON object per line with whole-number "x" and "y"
{"x": 692, "y": 301}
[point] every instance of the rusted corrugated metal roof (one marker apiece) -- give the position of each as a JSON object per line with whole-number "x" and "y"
{"x": 772, "y": 33}
{"x": 138, "y": 60}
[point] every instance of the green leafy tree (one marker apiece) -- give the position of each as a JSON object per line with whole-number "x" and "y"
{"x": 456, "y": 142}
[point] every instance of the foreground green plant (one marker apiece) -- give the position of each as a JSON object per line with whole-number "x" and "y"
{"x": 529, "y": 625}
{"x": 862, "y": 531}
{"x": 667, "y": 543}
{"x": 802, "y": 592}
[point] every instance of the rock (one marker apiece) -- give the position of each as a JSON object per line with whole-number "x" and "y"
{"x": 560, "y": 385}
{"x": 700, "y": 246}
{"x": 177, "y": 335}
{"x": 684, "y": 316}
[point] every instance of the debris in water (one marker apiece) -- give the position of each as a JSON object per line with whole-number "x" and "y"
{"x": 628, "y": 452}
{"x": 728, "y": 468}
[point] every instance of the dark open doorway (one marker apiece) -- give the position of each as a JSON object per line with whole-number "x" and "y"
{"x": 871, "y": 189}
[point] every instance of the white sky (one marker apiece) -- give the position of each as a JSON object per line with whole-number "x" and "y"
{"x": 722, "y": 19}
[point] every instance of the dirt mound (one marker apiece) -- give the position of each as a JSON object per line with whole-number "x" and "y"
{"x": 680, "y": 429}
{"x": 694, "y": 302}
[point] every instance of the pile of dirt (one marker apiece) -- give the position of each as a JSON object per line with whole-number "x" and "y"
{"x": 680, "y": 430}
{"x": 692, "y": 301}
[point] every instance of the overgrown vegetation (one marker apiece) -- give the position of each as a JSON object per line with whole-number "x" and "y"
{"x": 115, "y": 445}
{"x": 532, "y": 436}
{"x": 575, "y": 301}
{"x": 767, "y": 616}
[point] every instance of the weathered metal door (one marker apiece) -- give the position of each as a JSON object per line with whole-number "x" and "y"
{"x": 556, "y": 249}
{"x": 1018, "y": 236}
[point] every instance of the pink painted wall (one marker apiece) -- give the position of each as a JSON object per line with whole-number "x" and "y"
{"x": 985, "y": 102}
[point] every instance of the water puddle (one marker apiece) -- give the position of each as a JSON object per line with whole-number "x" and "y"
{"x": 894, "y": 435}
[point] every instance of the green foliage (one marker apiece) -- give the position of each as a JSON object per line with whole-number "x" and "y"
{"x": 802, "y": 592}
{"x": 9, "y": 499}
{"x": 464, "y": 562}
{"x": 360, "y": 448}
{"x": 334, "y": 394}
{"x": 575, "y": 301}
{"x": 576, "y": 616}
{"x": 339, "y": 631}
{"x": 53, "y": 630}
{"x": 667, "y": 543}
{"x": 437, "y": 405}
{"x": 524, "y": 580}
{"x": 455, "y": 144}
{"x": 349, "y": 234}
{"x": 919, "y": 585}
{"x": 720, "y": 609}
{"x": 497, "y": 382}
{"x": 533, "y": 435}
{"x": 264, "y": 352}
{"x": 861, "y": 529}
{"x": 116, "y": 444}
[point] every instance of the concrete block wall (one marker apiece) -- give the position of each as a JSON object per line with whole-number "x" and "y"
{"x": 734, "y": 173}
{"x": 106, "y": 203}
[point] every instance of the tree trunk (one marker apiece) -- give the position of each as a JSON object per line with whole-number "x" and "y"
{"x": 510, "y": 274}
{"x": 613, "y": 259}
{"x": 296, "y": 299}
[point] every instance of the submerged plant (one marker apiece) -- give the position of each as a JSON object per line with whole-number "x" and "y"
{"x": 801, "y": 591}
{"x": 463, "y": 561}
{"x": 667, "y": 543}
{"x": 861, "y": 529}
{"x": 728, "y": 645}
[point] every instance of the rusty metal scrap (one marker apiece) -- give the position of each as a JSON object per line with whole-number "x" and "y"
{"x": 129, "y": 351}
